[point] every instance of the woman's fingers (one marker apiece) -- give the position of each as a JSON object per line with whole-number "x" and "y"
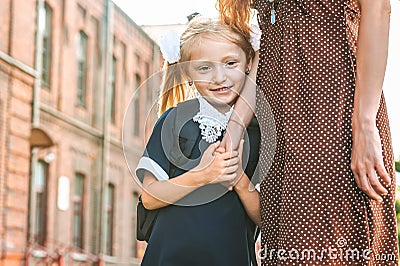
{"x": 381, "y": 171}
{"x": 367, "y": 163}
{"x": 375, "y": 184}
{"x": 364, "y": 185}
{"x": 366, "y": 176}
{"x": 369, "y": 183}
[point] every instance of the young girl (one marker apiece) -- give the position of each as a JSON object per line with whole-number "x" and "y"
{"x": 202, "y": 220}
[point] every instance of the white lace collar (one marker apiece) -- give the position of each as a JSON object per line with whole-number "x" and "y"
{"x": 211, "y": 121}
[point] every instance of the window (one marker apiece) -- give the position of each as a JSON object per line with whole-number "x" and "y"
{"x": 147, "y": 70}
{"x": 138, "y": 61}
{"x": 45, "y": 27}
{"x": 135, "y": 198}
{"x": 98, "y": 37}
{"x": 41, "y": 202}
{"x": 96, "y": 51}
{"x": 78, "y": 211}
{"x": 149, "y": 84}
{"x": 82, "y": 64}
{"x": 138, "y": 81}
{"x": 113, "y": 89}
{"x": 124, "y": 63}
{"x": 82, "y": 12}
{"x": 136, "y": 106}
{"x": 110, "y": 219}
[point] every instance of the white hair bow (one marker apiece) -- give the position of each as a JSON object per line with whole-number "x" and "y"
{"x": 170, "y": 46}
{"x": 255, "y": 31}
{"x": 255, "y": 37}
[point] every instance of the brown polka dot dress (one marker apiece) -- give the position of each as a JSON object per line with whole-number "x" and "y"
{"x": 312, "y": 210}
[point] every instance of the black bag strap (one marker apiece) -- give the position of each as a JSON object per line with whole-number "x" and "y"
{"x": 185, "y": 136}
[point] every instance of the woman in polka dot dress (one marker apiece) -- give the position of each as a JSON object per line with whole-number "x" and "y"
{"x": 327, "y": 198}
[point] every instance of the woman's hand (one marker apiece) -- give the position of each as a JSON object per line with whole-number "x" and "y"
{"x": 240, "y": 171}
{"x": 367, "y": 161}
{"x": 234, "y": 133}
{"x": 371, "y": 55}
{"x": 217, "y": 166}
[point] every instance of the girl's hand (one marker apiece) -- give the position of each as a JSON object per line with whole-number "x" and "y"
{"x": 367, "y": 162}
{"x": 216, "y": 166}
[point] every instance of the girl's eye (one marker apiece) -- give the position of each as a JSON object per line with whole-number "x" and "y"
{"x": 231, "y": 63}
{"x": 204, "y": 68}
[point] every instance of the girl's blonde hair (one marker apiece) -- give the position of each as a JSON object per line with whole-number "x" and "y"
{"x": 174, "y": 88}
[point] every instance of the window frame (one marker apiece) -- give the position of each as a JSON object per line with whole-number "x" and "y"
{"x": 82, "y": 60}
{"x": 41, "y": 201}
{"x": 136, "y": 107}
{"x": 78, "y": 206}
{"x": 46, "y": 45}
{"x": 113, "y": 92}
{"x": 110, "y": 212}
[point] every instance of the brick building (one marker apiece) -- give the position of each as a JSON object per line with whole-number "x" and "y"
{"x": 67, "y": 72}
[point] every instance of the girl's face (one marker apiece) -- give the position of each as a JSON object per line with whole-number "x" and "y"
{"x": 217, "y": 68}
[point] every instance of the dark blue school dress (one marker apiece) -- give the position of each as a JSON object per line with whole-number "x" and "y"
{"x": 213, "y": 232}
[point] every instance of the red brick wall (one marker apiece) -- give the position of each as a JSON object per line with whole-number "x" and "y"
{"x": 76, "y": 131}
{"x": 15, "y": 161}
{"x": 17, "y": 28}
{"x": 23, "y": 30}
{"x": 4, "y": 24}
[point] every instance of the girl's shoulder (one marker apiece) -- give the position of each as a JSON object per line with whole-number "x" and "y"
{"x": 191, "y": 103}
{"x": 182, "y": 111}
{"x": 177, "y": 118}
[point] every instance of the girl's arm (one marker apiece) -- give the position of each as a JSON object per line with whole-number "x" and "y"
{"x": 372, "y": 49}
{"x": 247, "y": 193}
{"x": 250, "y": 198}
{"x": 243, "y": 111}
{"x": 213, "y": 168}
{"x": 167, "y": 191}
